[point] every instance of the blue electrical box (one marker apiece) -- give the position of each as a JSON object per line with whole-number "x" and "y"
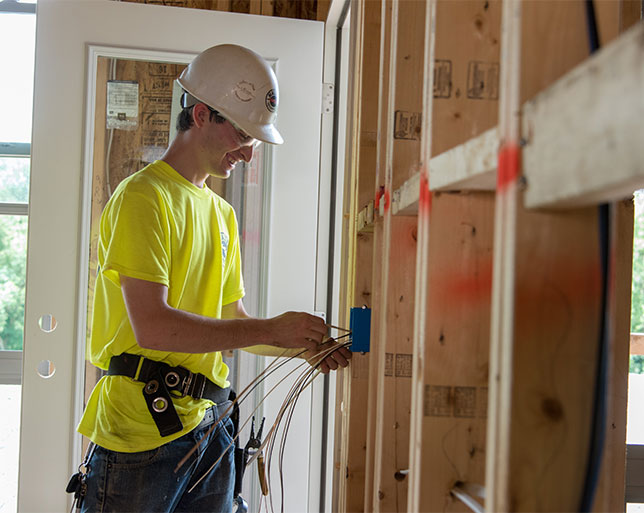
{"x": 360, "y": 325}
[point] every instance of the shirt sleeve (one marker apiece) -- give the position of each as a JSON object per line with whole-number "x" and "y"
{"x": 135, "y": 238}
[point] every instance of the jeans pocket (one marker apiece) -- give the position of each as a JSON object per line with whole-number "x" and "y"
{"x": 134, "y": 459}
{"x": 228, "y": 429}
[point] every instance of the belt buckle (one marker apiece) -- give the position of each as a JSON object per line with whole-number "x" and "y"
{"x": 187, "y": 382}
{"x": 201, "y": 384}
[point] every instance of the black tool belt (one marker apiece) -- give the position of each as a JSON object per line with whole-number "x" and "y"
{"x": 162, "y": 382}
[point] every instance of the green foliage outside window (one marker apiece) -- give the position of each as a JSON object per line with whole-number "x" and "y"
{"x": 637, "y": 298}
{"x": 14, "y": 188}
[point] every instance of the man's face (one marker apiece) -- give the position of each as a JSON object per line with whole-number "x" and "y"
{"x": 234, "y": 146}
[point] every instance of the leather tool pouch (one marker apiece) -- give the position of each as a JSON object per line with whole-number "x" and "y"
{"x": 159, "y": 402}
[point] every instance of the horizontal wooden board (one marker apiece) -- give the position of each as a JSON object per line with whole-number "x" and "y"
{"x": 584, "y": 133}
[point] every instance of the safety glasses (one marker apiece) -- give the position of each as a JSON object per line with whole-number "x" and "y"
{"x": 248, "y": 140}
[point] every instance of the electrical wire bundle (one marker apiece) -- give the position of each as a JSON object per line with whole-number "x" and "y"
{"x": 306, "y": 376}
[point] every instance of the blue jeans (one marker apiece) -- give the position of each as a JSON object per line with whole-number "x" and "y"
{"x": 145, "y": 481}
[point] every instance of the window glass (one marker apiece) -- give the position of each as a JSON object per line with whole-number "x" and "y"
{"x": 17, "y": 41}
{"x": 14, "y": 180}
{"x": 13, "y": 256}
{"x": 635, "y": 422}
{"x": 9, "y": 444}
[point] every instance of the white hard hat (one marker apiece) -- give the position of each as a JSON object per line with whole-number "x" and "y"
{"x": 239, "y": 84}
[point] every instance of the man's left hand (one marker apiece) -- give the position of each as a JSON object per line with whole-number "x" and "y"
{"x": 333, "y": 360}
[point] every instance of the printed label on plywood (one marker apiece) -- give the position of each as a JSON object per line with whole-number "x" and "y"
{"x": 437, "y": 401}
{"x": 458, "y": 401}
{"x": 155, "y": 138}
{"x": 155, "y": 121}
{"x": 389, "y": 364}
{"x": 482, "y": 403}
{"x": 407, "y": 125}
{"x": 442, "y": 78}
{"x": 403, "y": 365}
{"x": 164, "y": 69}
{"x": 153, "y": 102}
{"x": 483, "y": 80}
{"x": 464, "y": 402}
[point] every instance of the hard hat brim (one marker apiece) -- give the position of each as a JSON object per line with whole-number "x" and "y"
{"x": 266, "y": 133}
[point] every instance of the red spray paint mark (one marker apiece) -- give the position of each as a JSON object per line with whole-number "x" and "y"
{"x": 466, "y": 289}
{"x": 425, "y": 197}
{"x": 509, "y": 165}
{"x": 556, "y": 284}
{"x": 379, "y": 194}
{"x": 387, "y": 198}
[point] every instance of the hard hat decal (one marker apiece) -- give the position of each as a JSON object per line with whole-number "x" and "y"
{"x": 271, "y": 100}
{"x": 244, "y": 91}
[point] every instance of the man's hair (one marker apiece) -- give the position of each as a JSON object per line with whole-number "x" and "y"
{"x": 184, "y": 119}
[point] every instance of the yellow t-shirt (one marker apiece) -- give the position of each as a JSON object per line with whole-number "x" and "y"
{"x": 159, "y": 227}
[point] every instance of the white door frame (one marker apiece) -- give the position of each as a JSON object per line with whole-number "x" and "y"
{"x": 58, "y": 244}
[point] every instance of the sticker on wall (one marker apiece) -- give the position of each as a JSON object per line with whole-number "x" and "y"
{"x": 122, "y": 104}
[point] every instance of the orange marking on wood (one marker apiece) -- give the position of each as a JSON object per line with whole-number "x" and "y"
{"x": 425, "y": 196}
{"x": 509, "y": 161}
{"x": 387, "y": 198}
{"x": 466, "y": 289}
{"x": 553, "y": 282}
{"x": 379, "y": 194}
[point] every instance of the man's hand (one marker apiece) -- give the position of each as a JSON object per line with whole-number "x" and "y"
{"x": 296, "y": 330}
{"x": 328, "y": 356}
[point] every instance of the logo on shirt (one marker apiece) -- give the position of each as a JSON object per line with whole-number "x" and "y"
{"x": 224, "y": 245}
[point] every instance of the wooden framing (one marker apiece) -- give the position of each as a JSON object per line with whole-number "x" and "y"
{"x": 505, "y": 298}
{"x": 301, "y": 9}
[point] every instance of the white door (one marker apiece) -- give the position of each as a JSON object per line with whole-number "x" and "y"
{"x": 71, "y": 34}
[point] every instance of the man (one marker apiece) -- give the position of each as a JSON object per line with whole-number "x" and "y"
{"x": 168, "y": 300}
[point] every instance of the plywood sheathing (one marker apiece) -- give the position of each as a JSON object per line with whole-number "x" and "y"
{"x": 467, "y": 71}
{"x": 390, "y": 493}
{"x": 457, "y": 347}
{"x": 405, "y": 133}
{"x": 299, "y": 9}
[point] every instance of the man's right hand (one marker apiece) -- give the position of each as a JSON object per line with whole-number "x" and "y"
{"x": 297, "y": 330}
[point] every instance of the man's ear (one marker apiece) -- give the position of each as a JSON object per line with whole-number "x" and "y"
{"x": 200, "y": 114}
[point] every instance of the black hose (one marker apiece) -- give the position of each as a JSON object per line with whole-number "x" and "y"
{"x": 598, "y": 430}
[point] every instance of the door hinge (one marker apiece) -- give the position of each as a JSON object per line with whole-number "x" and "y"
{"x": 328, "y": 96}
